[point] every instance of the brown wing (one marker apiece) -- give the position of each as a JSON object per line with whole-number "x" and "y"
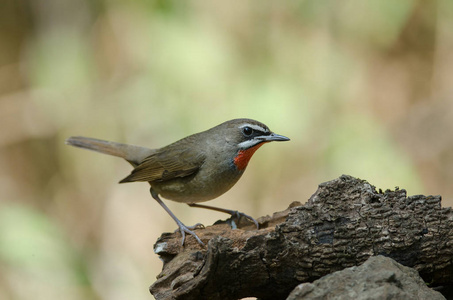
{"x": 167, "y": 164}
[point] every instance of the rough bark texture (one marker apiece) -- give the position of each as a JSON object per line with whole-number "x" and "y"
{"x": 343, "y": 224}
{"x": 379, "y": 278}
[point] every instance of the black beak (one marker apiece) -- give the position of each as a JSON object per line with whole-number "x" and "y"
{"x": 273, "y": 137}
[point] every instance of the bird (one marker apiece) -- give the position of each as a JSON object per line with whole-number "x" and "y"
{"x": 197, "y": 168}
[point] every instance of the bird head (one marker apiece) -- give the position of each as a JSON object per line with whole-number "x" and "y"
{"x": 246, "y": 136}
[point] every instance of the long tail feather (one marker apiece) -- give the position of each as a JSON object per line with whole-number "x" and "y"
{"x": 131, "y": 153}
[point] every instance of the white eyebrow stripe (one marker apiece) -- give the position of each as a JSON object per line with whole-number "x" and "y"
{"x": 248, "y": 144}
{"x": 256, "y": 127}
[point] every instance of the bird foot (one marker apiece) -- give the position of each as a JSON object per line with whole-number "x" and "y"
{"x": 238, "y": 215}
{"x": 188, "y": 229}
{"x": 193, "y": 227}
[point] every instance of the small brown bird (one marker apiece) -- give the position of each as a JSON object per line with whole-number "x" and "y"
{"x": 197, "y": 168}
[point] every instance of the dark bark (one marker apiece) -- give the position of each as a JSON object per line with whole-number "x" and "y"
{"x": 343, "y": 224}
{"x": 378, "y": 278}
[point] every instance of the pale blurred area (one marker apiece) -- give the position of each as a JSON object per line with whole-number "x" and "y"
{"x": 361, "y": 87}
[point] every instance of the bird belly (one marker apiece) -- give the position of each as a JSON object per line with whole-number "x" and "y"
{"x": 198, "y": 188}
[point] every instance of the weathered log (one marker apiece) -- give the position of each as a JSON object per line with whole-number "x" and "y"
{"x": 377, "y": 278}
{"x": 343, "y": 224}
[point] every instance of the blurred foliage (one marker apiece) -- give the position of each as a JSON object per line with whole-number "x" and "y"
{"x": 361, "y": 88}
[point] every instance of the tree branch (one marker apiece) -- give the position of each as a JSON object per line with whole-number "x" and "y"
{"x": 343, "y": 224}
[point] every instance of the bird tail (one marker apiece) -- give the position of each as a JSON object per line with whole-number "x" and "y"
{"x": 131, "y": 153}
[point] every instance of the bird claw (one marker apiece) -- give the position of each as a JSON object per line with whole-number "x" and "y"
{"x": 186, "y": 229}
{"x": 196, "y": 226}
{"x": 238, "y": 215}
{"x": 193, "y": 227}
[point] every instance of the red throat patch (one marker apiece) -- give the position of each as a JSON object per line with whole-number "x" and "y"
{"x": 242, "y": 159}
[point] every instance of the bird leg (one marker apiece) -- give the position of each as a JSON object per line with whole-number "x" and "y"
{"x": 234, "y": 213}
{"x": 182, "y": 228}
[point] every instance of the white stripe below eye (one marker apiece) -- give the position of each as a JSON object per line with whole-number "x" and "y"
{"x": 248, "y": 144}
{"x": 256, "y": 127}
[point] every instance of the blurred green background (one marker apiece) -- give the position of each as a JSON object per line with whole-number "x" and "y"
{"x": 361, "y": 87}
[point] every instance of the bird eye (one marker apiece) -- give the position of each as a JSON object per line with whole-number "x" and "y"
{"x": 247, "y": 131}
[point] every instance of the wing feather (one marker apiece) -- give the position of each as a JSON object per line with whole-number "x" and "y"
{"x": 167, "y": 164}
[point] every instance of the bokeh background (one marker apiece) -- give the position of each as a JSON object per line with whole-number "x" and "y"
{"x": 361, "y": 87}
